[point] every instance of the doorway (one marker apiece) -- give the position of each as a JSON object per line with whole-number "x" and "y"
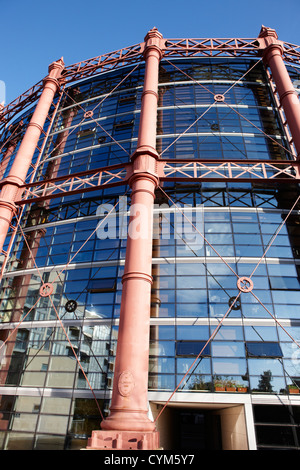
{"x": 198, "y": 430}
{"x": 203, "y": 428}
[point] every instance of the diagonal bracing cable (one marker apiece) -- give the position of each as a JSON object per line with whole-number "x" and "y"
{"x": 195, "y": 228}
{"x": 275, "y": 319}
{"x": 19, "y": 324}
{"x": 31, "y": 176}
{"x": 219, "y": 120}
{"x": 91, "y": 111}
{"x": 275, "y": 235}
{"x": 58, "y": 276}
{"x": 76, "y": 357}
{"x": 237, "y": 81}
{"x": 206, "y": 241}
{"x": 260, "y": 130}
{"x": 199, "y": 355}
{"x": 269, "y": 245}
{"x": 52, "y": 332}
{"x": 206, "y": 267}
{"x": 93, "y": 232}
{"x": 187, "y": 129}
{"x": 62, "y": 326}
{"x": 231, "y": 306}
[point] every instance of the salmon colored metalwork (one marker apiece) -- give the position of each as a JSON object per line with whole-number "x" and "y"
{"x": 273, "y": 56}
{"x": 18, "y": 172}
{"x": 128, "y": 425}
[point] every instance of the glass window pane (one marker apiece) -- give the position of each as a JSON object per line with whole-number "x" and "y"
{"x": 191, "y": 332}
{"x": 229, "y": 333}
{"x": 267, "y": 383}
{"x": 263, "y": 349}
{"x": 261, "y": 333}
{"x": 265, "y": 366}
{"x": 229, "y": 366}
{"x": 192, "y": 348}
{"x": 201, "y": 366}
{"x": 228, "y": 349}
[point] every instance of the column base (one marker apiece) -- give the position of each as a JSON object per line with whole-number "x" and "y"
{"x": 123, "y": 440}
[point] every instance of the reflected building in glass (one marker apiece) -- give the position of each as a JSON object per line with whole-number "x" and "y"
{"x": 225, "y": 314}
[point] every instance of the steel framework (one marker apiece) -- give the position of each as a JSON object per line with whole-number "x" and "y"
{"x": 249, "y": 171}
{"x": 180, "y": 170}
{"x": 173, "y": 48}
{"x": 144, "y": 173}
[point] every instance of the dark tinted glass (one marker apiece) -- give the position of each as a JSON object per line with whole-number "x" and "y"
{"x": 192, "y": 348}
{"x": 260, "y": 349}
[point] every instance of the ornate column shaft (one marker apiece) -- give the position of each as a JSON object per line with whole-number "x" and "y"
{"x": 18, "y": 172}
{"x": 272, "y": 50}
{"x": 128, "y": 418}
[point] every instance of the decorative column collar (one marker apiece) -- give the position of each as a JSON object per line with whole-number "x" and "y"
{"x": 153, "y": 40}
{"x": 268, "y": 38}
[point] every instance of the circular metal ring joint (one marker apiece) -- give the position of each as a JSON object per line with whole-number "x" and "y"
{"x": 46, "y": 290}
{"x": 234, "y": 305}
{"x": 88, "y": 114}
{"x": 219, "y": 98}
{"x": 245, "y": 284}
{"x": 71, "y": 306}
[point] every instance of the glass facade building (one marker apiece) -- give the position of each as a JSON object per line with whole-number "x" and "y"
{"x": 249, "y": 365}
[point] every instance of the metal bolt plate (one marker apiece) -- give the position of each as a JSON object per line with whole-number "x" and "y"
{"x": 46, "y": 290}
{"x": 71, "y": 306}
{"x": 245, "y": 284}
{"x": 88, "y": 114}
{"x": 219, "y": 98}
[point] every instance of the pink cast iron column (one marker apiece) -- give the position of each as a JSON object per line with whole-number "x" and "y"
{"x": 272, "y": 54}
{"x": 18, "y": 172}
{"x": 128, "y": 425}
{"x": 6, "y": 157}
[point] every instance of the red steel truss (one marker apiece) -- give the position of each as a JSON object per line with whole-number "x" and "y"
{"x": 145, "y": 172}
{"x": 250, "y": 171}
{"x": 274, "y": 172}
{"x": 208, "y": 47}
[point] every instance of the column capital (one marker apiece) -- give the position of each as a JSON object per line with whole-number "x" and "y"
{"x": 268, "y": 39}
{"x": 56, "y": 67}
{"x": 153, "y": 40}
{"x": 267, "y": 32}
{"x": 55, "y": 72}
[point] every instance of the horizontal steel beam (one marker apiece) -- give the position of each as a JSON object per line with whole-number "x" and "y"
{"x": 76, "y": 183}
{"x": 186, "y": 47}
{"x": 265, "y": 172}
{"x": 231, "y": 170}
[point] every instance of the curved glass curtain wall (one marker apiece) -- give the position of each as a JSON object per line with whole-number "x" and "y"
{"x": 192, "y": 286}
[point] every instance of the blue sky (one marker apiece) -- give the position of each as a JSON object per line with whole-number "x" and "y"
{"x": 35, "y": 33}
